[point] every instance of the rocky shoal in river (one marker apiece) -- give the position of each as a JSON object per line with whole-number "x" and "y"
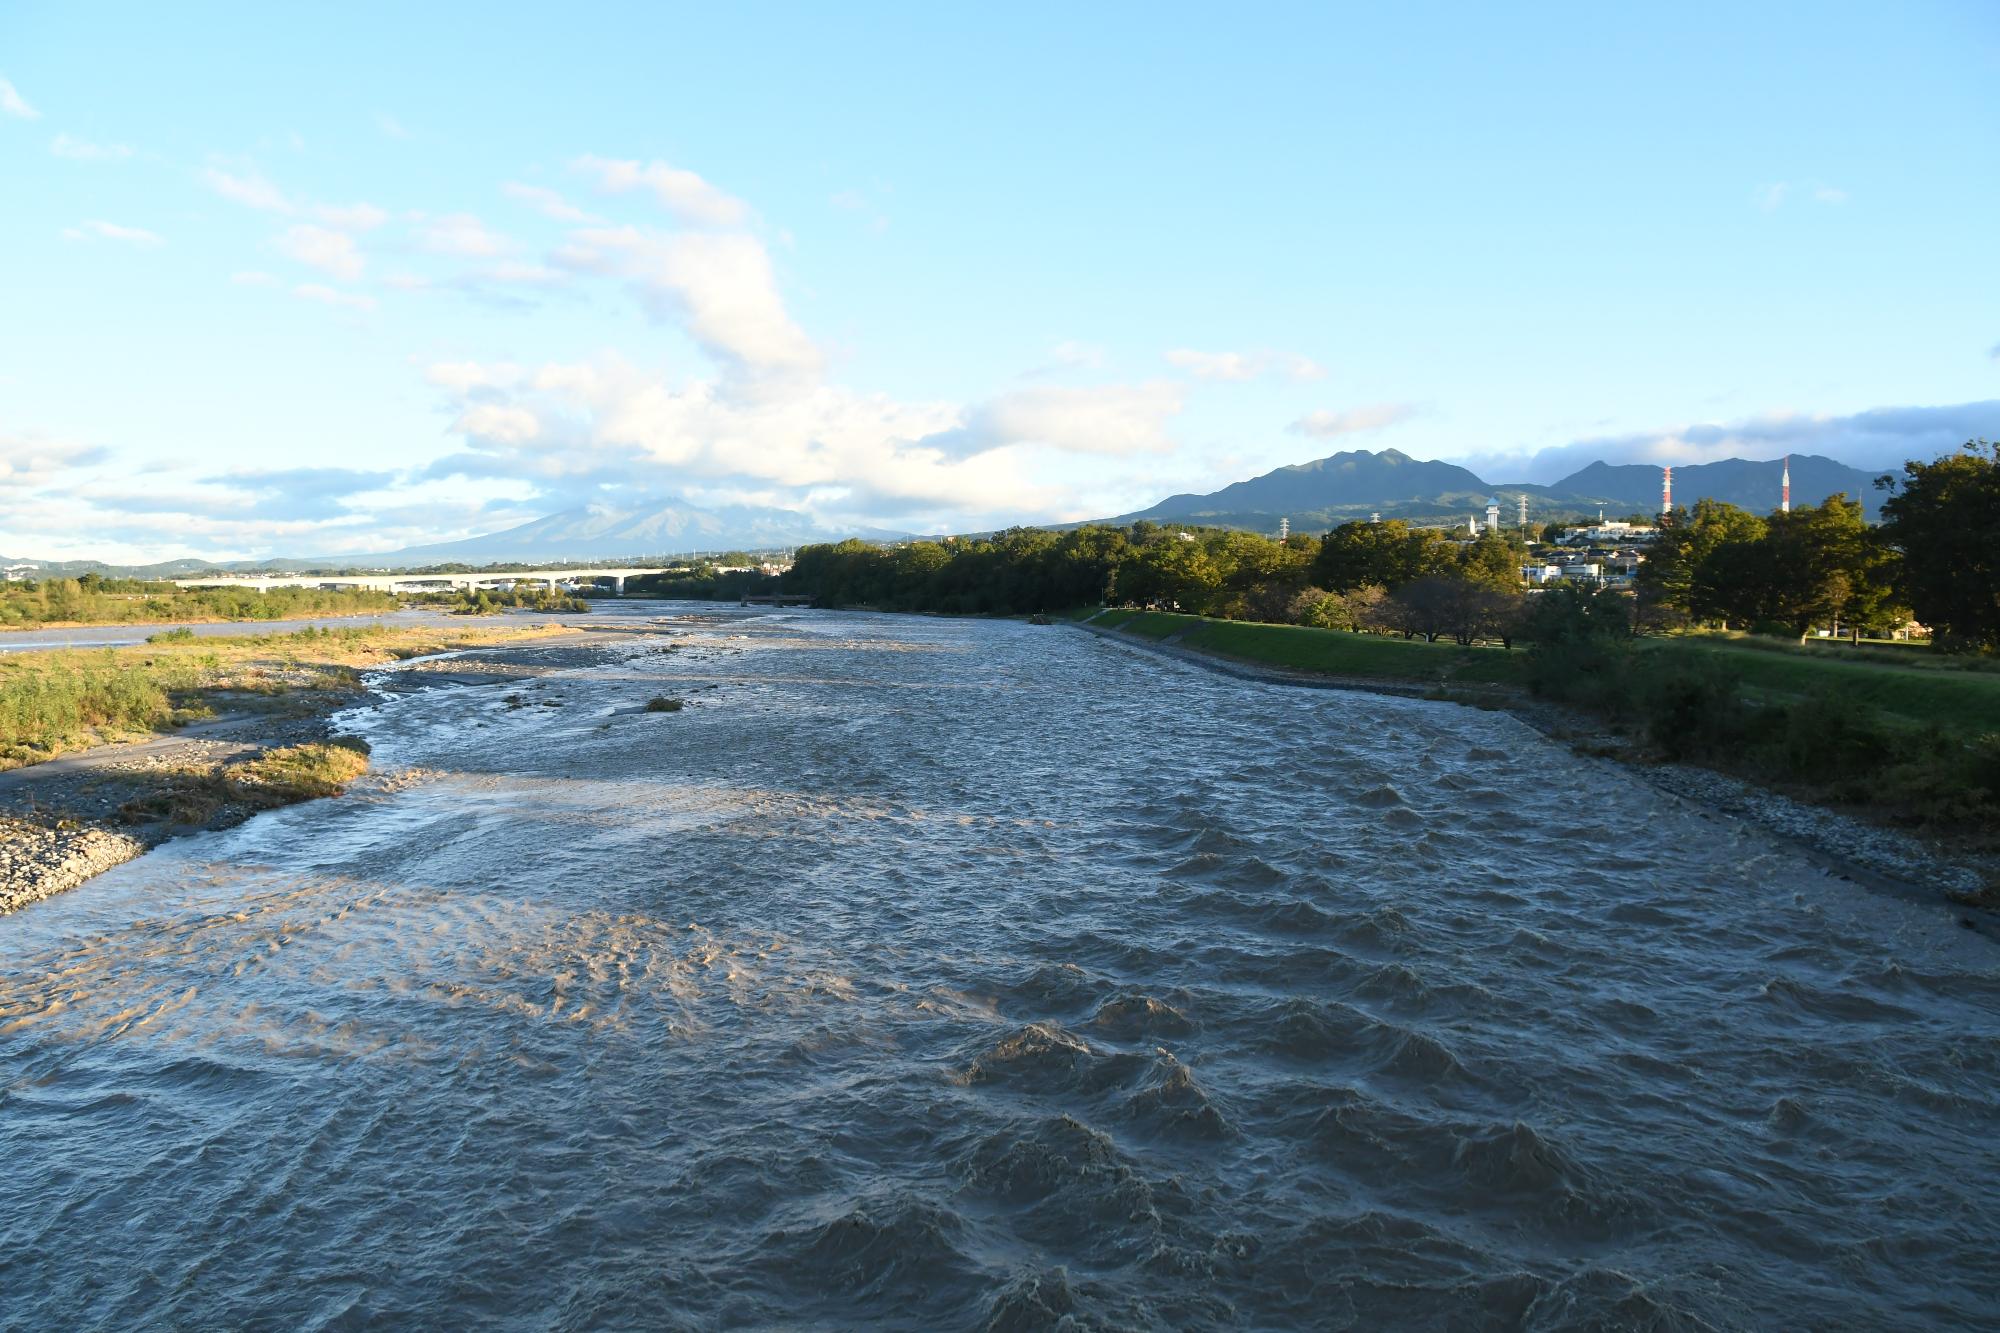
{"x": 37, "y": 860}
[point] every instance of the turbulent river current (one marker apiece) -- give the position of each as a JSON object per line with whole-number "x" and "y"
{"x": 936, "y": 974}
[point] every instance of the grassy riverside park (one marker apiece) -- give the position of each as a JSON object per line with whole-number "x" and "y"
{"x": 1962, "y": 694}
{"x": 1327, "y": 651}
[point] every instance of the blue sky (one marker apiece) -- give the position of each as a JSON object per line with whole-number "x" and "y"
{"x": 304, "y": 280}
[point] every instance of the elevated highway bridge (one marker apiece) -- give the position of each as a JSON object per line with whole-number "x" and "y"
{"x": 420, "y": 582}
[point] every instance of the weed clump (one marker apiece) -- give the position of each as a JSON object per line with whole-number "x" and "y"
{"x": 660, "y": 703}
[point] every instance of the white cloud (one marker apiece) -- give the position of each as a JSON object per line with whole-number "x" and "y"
{"x": 461, "y": 234}
{"x": 1237, "y": 367}
{"x": 313, "y": 291}
{"x": 28, "y": 461}
{"x": 800, "y": 443}
{"x": 1326, "y": 425}
{"x": 252, "y": 278}
{"x": 1827, "y": 194}
{"x": 545, "y": 201}
{"x": 390, "y": 126}
{"x": 111, "y": 231}
{"x": 249, "y": 189}
{"x": 501, "y": 424}
{"x": 252, "y": 190}
{"x": 721, "y": 284}
{"x": 1881, "y": 437}
{"x": 1111, "y": 419}
{"x": 462, "y": 377}
{"x": 79, "y": 150}
{"x": 681, "y": 192}
{"x": 331, "y": 251}
{"x": 14, "y": 104}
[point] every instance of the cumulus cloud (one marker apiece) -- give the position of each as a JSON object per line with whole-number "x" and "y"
{"x": 1881, "y": 438}
{"x": 80, "y": 150}
{"x": 681, "y": 192}
{"x": 322, "y": 248}
{"x": 1328, "y": 425}
{"x": 14, "y": 104}
{"x": 545, "y": 201}
{"x": 31, "y": 460}
{"x": 111, "y": 231}
{"x": 571, "y": 427}
{"x": 1113, "y": 419}
{"x": 720, "y": 285}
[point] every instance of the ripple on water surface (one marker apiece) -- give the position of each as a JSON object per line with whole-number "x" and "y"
{"x": 944, "y": 974}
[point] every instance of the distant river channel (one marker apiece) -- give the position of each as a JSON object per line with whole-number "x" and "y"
{"x": 936, "y": 974}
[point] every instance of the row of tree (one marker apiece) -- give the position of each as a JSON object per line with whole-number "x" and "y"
{"x": 93, "y": 599}
{"x": 1378, "y": 577}
{"x": 1936, "y": 555}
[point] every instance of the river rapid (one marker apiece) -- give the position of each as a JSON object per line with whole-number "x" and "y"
{"x": 938, "y": 974}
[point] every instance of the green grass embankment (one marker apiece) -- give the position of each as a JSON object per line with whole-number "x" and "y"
{"x": 1326, "y": 651}
{"x": 1961, "y": 698}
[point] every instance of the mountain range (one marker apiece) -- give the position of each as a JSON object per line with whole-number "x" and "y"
{"x": 1356, "y": 484}
{"x": 1314, "y": 496}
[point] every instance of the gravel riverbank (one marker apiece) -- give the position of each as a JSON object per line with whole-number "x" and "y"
{"x": 67, "y": 819}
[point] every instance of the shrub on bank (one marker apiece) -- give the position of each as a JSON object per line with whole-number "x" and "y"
{"x": 1695, "y": 707}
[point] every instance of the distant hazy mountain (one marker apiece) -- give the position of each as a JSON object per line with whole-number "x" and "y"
{"x": 1755, "y": 486}
{"x": 1358, "y": 483}
{"x": 601, "y": 532}
{"x": 1356, "y": 480}
{"x": 592, "y": 532}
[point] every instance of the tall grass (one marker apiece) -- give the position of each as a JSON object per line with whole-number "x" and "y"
{"x": 43, "y": 707}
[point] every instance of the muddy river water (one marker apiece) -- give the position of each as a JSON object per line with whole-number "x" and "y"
{"x": 936, "y": 974}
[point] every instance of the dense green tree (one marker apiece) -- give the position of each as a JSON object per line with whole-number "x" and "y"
{"x": 1822, "y": 564}
{"x": 1492, "y": 560}
{"x": 1388, "y": 554}
{"x": 1944, "y": 522}
{"x": 1668, "y": 577}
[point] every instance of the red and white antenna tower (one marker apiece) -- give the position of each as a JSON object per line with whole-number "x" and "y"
{"x": 1785, "y": 502}
{"x": 1666, "y": 490}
